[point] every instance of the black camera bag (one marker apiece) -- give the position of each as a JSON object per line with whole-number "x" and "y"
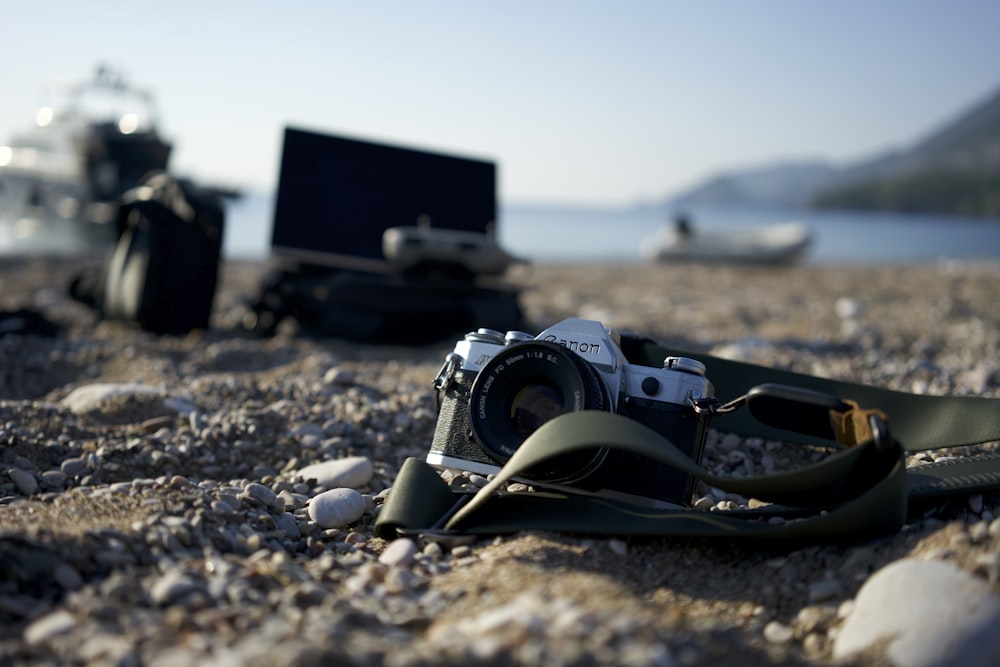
{"x": 163, "y": 271}
{"x": 381, "y": 308}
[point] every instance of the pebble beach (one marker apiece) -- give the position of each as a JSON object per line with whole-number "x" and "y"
{"x": 209, "y": 499}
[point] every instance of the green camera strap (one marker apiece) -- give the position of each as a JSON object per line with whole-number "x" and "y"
{"x": 862, "y": 488}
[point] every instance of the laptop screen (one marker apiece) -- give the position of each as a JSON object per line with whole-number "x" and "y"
{"x": 336, "y": 196}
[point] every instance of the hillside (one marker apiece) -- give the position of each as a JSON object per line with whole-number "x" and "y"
{"x": 955, "y": 169}
{"x": 788, "y": 184}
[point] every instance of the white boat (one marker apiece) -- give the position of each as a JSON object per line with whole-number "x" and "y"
{"x": 780, "y": 243}
{"x": 60, "y": 179}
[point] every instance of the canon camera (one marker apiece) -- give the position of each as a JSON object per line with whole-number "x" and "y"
{"x": 496, "y": 389}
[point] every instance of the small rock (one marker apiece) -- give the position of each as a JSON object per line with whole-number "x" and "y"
{"x": 778, "y": 633}
{"x": 398, "y": 581}
{"x": 337, "y": 508}
{"x": 286, "y": 523}
{"x": 67, "y": 577}
{"x": 977, "y": 379}
{"x": 90, "y": 397}
{"x": 351, "y": 472}
{"x": 434, "y": 551}
{"x": 51, "y": 625}
{"x": 814, "y": 617}
{"x": 24, "y": 481}
{"x": 180, "y": 482}
{"x": 54, "y": 479}
{"x": 848, "y": 308}
{"x": 731, "y": 442}
{"x": 399, "y": 552}
{"x": 227, "y": 501}
{"x": 171, "y": 587}
{"x": 979, "y": 532}
{"x": 260, "y": 493}
{"x": 923, "y": 613}
{"x": 307, "y": 431}
{"x": 823, "y": 590}
{"x": 74, "y": 467}
{"x": 340, "y": 376}
{"x": 618, "y": 547}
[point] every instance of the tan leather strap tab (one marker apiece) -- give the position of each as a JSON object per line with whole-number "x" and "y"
{"x": 854, "y": 426}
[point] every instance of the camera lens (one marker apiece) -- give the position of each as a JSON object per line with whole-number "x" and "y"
{"x": 523, "y": 387}
{"x": 533, "y": 405}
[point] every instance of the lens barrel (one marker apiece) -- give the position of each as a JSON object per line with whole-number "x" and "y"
{"x": 526, "y": 385}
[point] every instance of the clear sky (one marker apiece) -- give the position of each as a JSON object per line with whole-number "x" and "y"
{"x": 579, "y": 101}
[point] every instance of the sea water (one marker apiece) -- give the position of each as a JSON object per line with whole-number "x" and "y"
{"x": 570, "y": 234}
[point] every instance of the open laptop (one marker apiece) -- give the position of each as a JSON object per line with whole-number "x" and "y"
{"x": 338, "y": 196}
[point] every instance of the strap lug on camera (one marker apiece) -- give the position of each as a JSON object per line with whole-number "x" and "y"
{"x": 447, "y": 372}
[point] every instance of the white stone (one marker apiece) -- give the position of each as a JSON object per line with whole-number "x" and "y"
{"x": 778, "y": 633}
{"x": 90, "y": 397}
{"x": 53, "y": 624}
{"x": 337, "y": 508}
{"x": 399, "y": 552}
{"x": 925, "y": 614}
{"x": 352, "y": 472}
{"x": 848, "y": 308}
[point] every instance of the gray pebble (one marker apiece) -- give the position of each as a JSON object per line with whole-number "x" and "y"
{"x": 171, "y": 587}
{"x": 340, "y": 376}
{"x": 307, "y": 430}
{"x": 337, "y": 508}
{"x": 230, "y": 501}
{"x": 288, "y": 525}
{"x": 74, "y": 467}
{"x": 221, "y": 508}
{"x": 67, "y": 577}
{"x": 291, "y": 500}
{"x": 24, "y": 481}
{"x": 260, "y": 493}
{"x": 932, "y": 612}
{"x": 54, "y": 479}
{"x": 976, "y": 503}
{"x": 823, "y": 590}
